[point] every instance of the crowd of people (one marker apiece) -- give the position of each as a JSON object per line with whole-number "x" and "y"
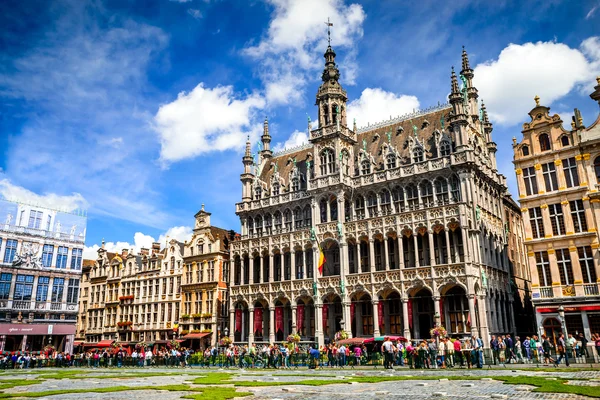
{"x": 433, "y": 353}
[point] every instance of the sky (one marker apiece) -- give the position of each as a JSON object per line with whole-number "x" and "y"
{"x": 138, "y": 111}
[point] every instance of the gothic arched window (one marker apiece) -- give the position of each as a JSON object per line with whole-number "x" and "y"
{"x": 258, "y": 223}
{"x": 307, "y": 216}
{"x": 412, "y": 197}
{"x": 334, "y": 112}
{"x": 398, "y": 197}
{"x": 544, "y": 142}
{"x": 385, "y": 201}
{"x": 297, "y": 218}
{"x": 277, "y": 220}
{"x": 445, "y": 148}
{"x": 427, "y": 193}
{"x": 525, "y": 150}
{"x": 441, "y": 190}
{"x": 418, "y": 154}
{"x": 359, "y": 207}
{"x": 323, "y": 210}
{"x": 391, "y": 161}
{"x": 287, "y": 220}
{"x": 454, "y": 188}
{"x": 257, "y": 192}
{"x": 327, "y": 162}
{"x": 275, "y": 189}
{"x": 295, "y": 184}
{"x": 372, "y": 204}
{"x": 365, "y": 166}
{"x": 268, "y": 224}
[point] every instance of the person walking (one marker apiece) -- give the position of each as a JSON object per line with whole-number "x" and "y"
{"x": 387, "y": 350}
{"x": 518, "y": 349}
{"x": 494, "y": 345}
{"x": 342, "y": 356}
{"x": 526, "y": 344}
{"x": 547, "y": 348}
{"x": 584, "y": 347}
{"x": 562, "y": 350}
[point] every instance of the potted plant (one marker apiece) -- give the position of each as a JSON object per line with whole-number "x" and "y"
{"x": 340, "y": 335}
{"x": 293, "y": 338}
{"x": 225, "y": 341}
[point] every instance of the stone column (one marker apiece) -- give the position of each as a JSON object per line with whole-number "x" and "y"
{"x": 294, "y": 327}
{"x": 251, "y": 326}
{"x": 292, "y": 264}
{"x": 262, "y": 270}
{"x": 359, "y": 258}
{"x": 436, "y": 308}
{"x": 483, "y": 321}
{"x": 375, "y": 318}
{"x": 471, "y": 300}
{"x": 319, "y": 324}
{"x": 417, "y": 265}
{"x": 303, "y": 264}
{"x": 271, "y": 276}
{"x": 448, "y": 252}
{"x": 232, "y": 324}
{"x": 405, "y": 322}
{"x": 371, "y": 255}
{"x": 386, "y": 253}
{"x": 282, "y": 266}
{"x": 271, "y": 324}
{"x": 400, "y": 251}
{"x": 251, "y": 262}
{"x": 242, "y": 271}
{"x": 431, "y": 248}
{"x": 347, "y": 318}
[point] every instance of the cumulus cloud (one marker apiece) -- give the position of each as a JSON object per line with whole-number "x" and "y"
{"x": 67, "y": 203}
{"x": 548, "y": 69}
{"x": 297, "y": 138}
{"x": 205, "y": 120}
{"x": 375, "y": 105}
{"x": 140, "y": 240}
{"x": 291, "y": 51}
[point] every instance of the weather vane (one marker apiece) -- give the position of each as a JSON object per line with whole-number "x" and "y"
{"x": 329, "y": 25}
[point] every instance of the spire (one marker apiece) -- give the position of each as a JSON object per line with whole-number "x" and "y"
{"x": 454, "y": 84}
{"x": 596, "y": 94}
{"x": 248, "y": 148}
{"x": 486, "y": 120}
{"x": 266, "y": 140}
{"x": 465, "y": 60}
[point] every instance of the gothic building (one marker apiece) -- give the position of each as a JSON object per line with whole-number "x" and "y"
{"x": 408, "y": 212}
{"x": 558, "y": 173}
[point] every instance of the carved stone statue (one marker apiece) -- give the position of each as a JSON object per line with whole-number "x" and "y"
{"x": 58, "y": 225}
{"x": 73, "y": 228}
{"x": 8, "y": 218}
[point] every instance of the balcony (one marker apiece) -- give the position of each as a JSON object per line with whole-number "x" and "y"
{"x": 590, "y": 289}
{"x": 23, "y": 230}
{"x": 21, "y": 305}
{"x": 546, "y": 292}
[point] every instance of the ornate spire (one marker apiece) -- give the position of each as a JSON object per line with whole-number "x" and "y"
{"x": 266, "y": 140}
{"x": 596, "y": 94}
{"x": 465, "y": 61}
{"x": 454, "y": 83}
{"x": 248, "y": 148}
{"x": 485, "y": 114}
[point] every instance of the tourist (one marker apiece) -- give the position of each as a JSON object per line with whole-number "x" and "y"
{"x": 584, "y": 350}
{"x": 547, "y": 349}
{"x": 467, "y": 349}
{"x": 494, "y": 345}
{"x": 387, "y": 352}
{"x": 596, "y": 340}
{"x": 433, "y": 353}
{"x": 533, "y": 346}
{"x": 477, "y": 344}
{"x": 357, "y": 355}
{"x": 526, "y": 345}
{"x": 518, "y": 349}
{"x": 400, "y": 347}
{"x": 314, "y": 354}
{"x": 441, "y": 353}
{"x": 562, "y": 350}
{"x": 571, "y": 345}
{"x": 148, "y": 357}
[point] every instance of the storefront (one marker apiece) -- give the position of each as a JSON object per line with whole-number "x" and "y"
{"x": 577, "y": 319}
{"x": 34, "y": 337}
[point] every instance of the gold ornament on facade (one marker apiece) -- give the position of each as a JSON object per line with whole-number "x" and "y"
{"x": 537, "y": 100}
{"x": 538, "y": 166}
{"x": 518, "y": 171}
{"x": 557, "y": 162}
{"x": 568, "y": 290}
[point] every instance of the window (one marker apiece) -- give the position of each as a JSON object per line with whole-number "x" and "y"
{"x": 525, "y": 150}
{"x": 61, "y": 258}
{"x": 537, "y": 223}
{"x": 275, "y": 189}
{"x": 257, "y": 192}
{"x": 549, "y": 173}
{"x": 35, "y": 219}
{"x": 359, "y": 207}
{"x": 578, "y": 215}
{"x": 327, "y": 162}
{"x": 544, "y": 142}
{"x": 565, "y": 268}
{"x": 391, "y": 161}
{"x": 10, "y": 251}
{"x": 295, "y": 184}
{"x": 597, "y": 168}
{"x": 564, "y": 140}
{"x": 418, "y": 154}
{"x": 42, "y": 288}
{"x": 441, "y": 190}
{"x": 258, "y": 225}
{"x": 386, "y": 207}
{"x": 570, "y": 171}
{"x": 412, "y": 197}
{"x": 372, "y": 204}
{"x": 287, "y": 220}
{"x": 73, "y": 290}
{"x": 76, "y": 255}
{"x": 398, "y": 197}
{"x": 543, "y": 267}
{"x": 586, "y": 261}
{"x": 5, "y": 280}
{"x": 58, "y": 286}
{"x": 530, "y": 181}
{"x": 277, "y": 221}
{"x": 23, "y": 288}
{"x": 47, "y": 254}
{"x": 307, "y": 216}
{"x": 268, "y": 224}
{"x": 557, "y": 219}
{"x": 445, "y": 148}
{"x": 323, "y": 210}
{"x": 365, "y": 167}
{"x": 454, "y": 188}
{"x": 427, "y": 193}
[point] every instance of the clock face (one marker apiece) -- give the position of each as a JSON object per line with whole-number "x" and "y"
{"x": 199, "y": 222}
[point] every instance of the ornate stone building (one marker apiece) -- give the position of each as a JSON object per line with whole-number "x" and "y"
{"x": 132, "y": 298}
{"x": 558, "y": 173}
{"x": 204, "y": 291}
{"x": 409, "y": 215}
{"x": 40, "y": 269}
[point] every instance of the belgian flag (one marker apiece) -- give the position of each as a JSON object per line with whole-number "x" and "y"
{"x": 321, "y": 260}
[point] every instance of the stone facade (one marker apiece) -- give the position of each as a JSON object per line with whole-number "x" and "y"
{"x": 40, "y": 269}
{"x": 408, "y": 213}
{"x": 558, "y": 174}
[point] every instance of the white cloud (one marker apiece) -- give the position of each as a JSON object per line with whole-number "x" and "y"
{"x": 375, "y": 105}
{"x": 140, "y": 240}
{"x": 591, "y": 13}
{"x": 291, "y": 51}
{"x": 68, "y": 203}
{"x": 180, "y": 1}
{"x": 196, "y": 14}
{"x": 205, "y": 120}
{"x": 297, "y": 138}
{"x": 548, "y": 69}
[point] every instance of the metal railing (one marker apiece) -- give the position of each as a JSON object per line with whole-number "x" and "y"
{"x": 546, "y": 292}
{"x": 590, "y": 289}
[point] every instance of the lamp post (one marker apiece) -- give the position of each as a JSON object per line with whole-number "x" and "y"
{"x": 561, "y": 314}
{"x": 226, "y": 331}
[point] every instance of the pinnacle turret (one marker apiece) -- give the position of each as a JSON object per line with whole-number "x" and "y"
{"x": 266, "y": 140}
{"x": 466, "y": 68}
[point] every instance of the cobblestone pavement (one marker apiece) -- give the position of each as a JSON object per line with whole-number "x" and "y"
{"x": 415, "y": 388}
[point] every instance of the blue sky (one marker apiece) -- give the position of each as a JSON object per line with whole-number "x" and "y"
{"x": 138, "y": 110}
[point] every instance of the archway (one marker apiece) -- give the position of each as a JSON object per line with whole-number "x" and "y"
{"x": 454, "y": 311}
{"x": 261, "y": 321}
{"x": 331, "y": 250}
{"x": 241, "y": 328}
{"x": 422, "y": 313}
{"x": 552, "y": 329}
{"x": 305, "y": 318}
{"x": 283, "y": 319}
{"x": 332, "y": 316}
{"x": 392, "y": 314}
{"x": 361, "y": 315}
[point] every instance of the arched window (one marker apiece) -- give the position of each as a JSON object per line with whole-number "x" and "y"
{"x": 327, "y": 162}
{"x": 445, "y": 148}
{"x": 564, "y": 140}
{"x": 391, "y": 161}
{"x": 259, "y": 225}
{"x": 427, "y": 193}
{"x": 454, "y": 188}
{"x": 418, "y": 154}
{"x": 412, "y": 197}
{"x": 268, "y": 224}
{"x": 365, "y": 167}
{"x": 359, "y": 207}
{"x": 441, "y": 190}
{"x": 334, "y": 112}
{"x": 307, "y": 216}
{"x": 333, "y": 209}
{"x": 257, "y": 192}
{"x": 525, "y": 150}
{"x": 398, "y": 197}
{"x": 597, "y": 168}
{"x": 323, "y": 210}
{"x": 277, "y": 220}
{"x": 386, "y": 206}
{"x": 297, "y": 218}
{"x": 250, "y": 232}
{"x": 544, "y": 142}
{"x": 372, "y": 204}
{"x": 287, "y": 220}
{"x": 276, "y": 189}
{"x": 295, "y": 184}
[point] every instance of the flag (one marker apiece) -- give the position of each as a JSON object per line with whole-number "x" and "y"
{"x": 321, "y": 260}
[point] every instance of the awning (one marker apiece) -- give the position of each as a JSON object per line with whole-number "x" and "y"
{"x": 196, "y": 335}
{"x": 105, "y": 343}
{"x": 90, "y": 344}
{"x": 78, "y": 343}
{"x": 351, "y": 342}
{"x": 161, "y": 342}
{"x": 382, "y": 338}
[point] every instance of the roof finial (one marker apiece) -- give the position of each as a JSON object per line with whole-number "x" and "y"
{"x": 537, "y": 100}
{"x": 329, "y": 25}
{"x": 202, "y": 209}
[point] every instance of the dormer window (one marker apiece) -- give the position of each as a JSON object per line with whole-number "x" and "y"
{"x": 257, "y": 192}
{"x": 327, "y": 162}
{"x": 544, "y": 142}
{"x": 276, "y": 189}
{"x": 564, "y": 140}
{"x": 418, "y": 154}
{"x": 391, "y": 161}
{"x": 525, "y": 150}
{"x": 295, "y": 184}
{"x": 445, "y": 148}
{"x": 365, "y": 167}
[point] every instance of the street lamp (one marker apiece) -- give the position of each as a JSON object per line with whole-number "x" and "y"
{"x": 561, "y": 314}
{"x": 226, "y": 331}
